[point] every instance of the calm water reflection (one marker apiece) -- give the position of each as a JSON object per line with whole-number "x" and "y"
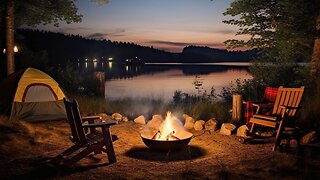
{"x": 160, "y": 81}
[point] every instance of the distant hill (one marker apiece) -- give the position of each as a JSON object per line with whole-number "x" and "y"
{"x": 206, "y": 54}
{"x": 61, "y": 48}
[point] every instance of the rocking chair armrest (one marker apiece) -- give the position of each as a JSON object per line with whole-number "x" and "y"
{"x": 260, "y": 106}
{"x": 100, "y": 124}
{"x": 264, "y": 105}
{"x": 265, "y": 117}
{"x": 253, "y": 102}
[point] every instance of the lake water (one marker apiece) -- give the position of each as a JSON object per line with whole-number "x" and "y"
{"x": 161, "y": 81}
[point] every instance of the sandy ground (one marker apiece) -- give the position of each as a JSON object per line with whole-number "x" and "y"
{"x": 208, "y": 156}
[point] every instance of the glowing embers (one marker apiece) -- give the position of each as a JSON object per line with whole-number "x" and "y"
{"x": 169, "y": 135}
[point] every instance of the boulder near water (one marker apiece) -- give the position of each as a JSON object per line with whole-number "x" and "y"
{"x": 198, "y": 125}
{"x": 211, "y": 125}
{"x": 140, "y": 120}
{"x": 117, "y": 117}
{"x": 188, "y": 122}
{"x": 227, "y": 128}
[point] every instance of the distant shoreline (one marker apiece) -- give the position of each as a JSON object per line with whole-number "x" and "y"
{"x": 245, "y": 64}
{"x": 235, "y": 64}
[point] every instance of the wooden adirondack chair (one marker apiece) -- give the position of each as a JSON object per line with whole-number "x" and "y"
{"x": 85, "y": 137}
{"x": 284, "y": 110}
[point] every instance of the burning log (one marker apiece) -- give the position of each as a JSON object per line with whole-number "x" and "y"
{"x": 172, "y": 136}
{"x": 157, "y": 135}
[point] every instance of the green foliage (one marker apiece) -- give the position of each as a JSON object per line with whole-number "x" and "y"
{"x": 255, "y": 18}
{"x": 279, "y": 74}
{"x": 249, "y": 89}
{"x": 133, "y": 108}
{"x": 284, "y": 29}
{"x": 34, "y": 12}
{"x": 271, "y": 23}
{"x": 129, "y": 107}
{"x": 27, "y": 58}
{"x": 202, "y": 105}
{"x": 180, "y": 97}
{"x": 206, "y": 111}
{"x": 74, "y": 82}
{"x": 92, "y": 105}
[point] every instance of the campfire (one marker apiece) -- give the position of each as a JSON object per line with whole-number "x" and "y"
{"x": 169, "y": 135}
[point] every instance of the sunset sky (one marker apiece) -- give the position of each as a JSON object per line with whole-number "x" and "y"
{"x": 164, "y": 24}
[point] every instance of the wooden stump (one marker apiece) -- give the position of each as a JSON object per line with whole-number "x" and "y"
{"x": 101, "y": 77}
{"x": 236, "y": 107}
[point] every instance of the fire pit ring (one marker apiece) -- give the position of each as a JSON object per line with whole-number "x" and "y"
{"x": 164, "y": 145}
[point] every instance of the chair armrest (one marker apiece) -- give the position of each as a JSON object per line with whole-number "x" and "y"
{"x": 264, "y": 105}
{"x": 100, "y": 124}
{"x": 253, "y": 102}
{"x": 261, "y": 106}
{"x": 88, "y": 118}
{"x": 272, "y": 118}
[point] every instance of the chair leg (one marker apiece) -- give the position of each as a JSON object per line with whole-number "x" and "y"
{"x": 83, "y": 153}
{"x": 252, "y": 126}
{"x": 109, "y": 145}
{"x": 278, "y": 136}
{"x": 297, "y": 137}
{"x": 67, "y": 152}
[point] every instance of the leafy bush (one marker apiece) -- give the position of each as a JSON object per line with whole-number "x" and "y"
{"x": 200, "y": 106}
{"x": 74, "y": 82}
{"x": 251, "y": 89}
{"x": 27, "y": 58}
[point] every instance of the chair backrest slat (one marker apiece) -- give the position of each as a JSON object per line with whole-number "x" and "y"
{"x": 74, "y": 119}
{"x": 288, "y": 97}
{"x": 70, "y": 119}
{"x": 278, "y": 101}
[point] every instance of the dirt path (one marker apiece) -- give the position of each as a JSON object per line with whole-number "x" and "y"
{"x": 212, "y": 156}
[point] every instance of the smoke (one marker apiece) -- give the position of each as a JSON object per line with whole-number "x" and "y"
{"x": 146, "y": 107}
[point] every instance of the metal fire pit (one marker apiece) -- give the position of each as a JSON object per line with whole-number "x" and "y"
{"x": 166, "y": 145}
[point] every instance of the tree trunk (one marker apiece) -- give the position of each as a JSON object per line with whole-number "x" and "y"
{"x": 315, "y": 60}
{"x": 10, "y": 36}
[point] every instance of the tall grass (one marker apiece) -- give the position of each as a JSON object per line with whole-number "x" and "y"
{"x": 17, "y": 138}
{"x": 147, "y": 106}
{"x": 127, "y": 106}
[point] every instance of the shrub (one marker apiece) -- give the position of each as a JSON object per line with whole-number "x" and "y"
{"x": 74, "y": 82}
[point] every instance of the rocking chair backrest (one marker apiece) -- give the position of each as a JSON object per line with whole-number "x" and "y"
{"x": 288, "y": 97}
{"x": 74, "y": 119}
{"x": 270, "y": 94}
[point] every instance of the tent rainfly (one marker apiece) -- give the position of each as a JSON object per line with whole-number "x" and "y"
{"x": 31, "y": 95}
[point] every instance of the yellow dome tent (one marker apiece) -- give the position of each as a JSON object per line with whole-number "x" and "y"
{"x": 31, "y": 95}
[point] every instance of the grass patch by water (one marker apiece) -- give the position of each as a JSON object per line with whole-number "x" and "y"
{"x": 145, "y": 106}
